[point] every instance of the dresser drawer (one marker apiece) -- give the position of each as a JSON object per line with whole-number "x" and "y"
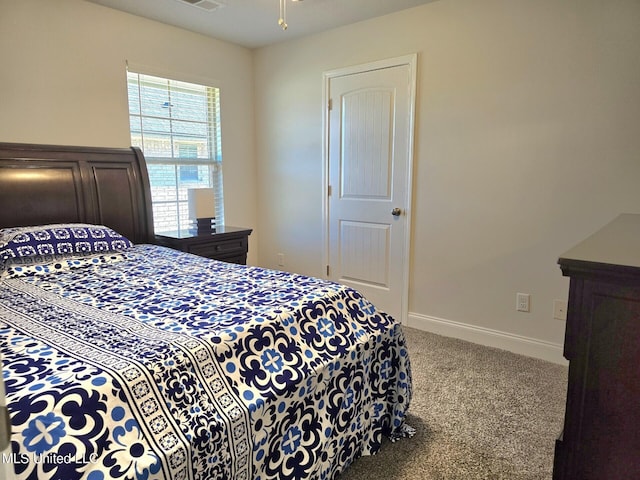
{"x": 219, "y": 249}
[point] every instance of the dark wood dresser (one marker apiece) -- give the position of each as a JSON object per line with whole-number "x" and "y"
{"x": 229, "y": 244}
{"x": 601, "y": 437}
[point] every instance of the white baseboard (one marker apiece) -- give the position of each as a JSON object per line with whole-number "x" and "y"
{"x": 531, "y": 347}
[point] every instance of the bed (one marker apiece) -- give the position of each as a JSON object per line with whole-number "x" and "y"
{"x": 127, "y": 360}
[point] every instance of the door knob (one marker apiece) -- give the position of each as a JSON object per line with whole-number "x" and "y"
{"x": 396, "y": 212}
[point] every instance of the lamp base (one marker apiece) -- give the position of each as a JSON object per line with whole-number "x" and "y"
{"x": 205, "y": 225}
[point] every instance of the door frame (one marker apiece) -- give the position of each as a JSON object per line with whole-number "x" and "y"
{"x": 410, "y": 60}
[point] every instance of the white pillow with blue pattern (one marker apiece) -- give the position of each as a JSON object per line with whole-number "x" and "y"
{"x": 38, "y": 247}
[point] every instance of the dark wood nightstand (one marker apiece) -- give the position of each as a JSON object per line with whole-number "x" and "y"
{"x": 229, "y": 244}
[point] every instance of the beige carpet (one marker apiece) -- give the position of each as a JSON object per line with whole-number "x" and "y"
{"x": 480, "y": 413}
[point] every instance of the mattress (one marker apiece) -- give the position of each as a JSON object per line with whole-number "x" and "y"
{"x": 148, "y": 363}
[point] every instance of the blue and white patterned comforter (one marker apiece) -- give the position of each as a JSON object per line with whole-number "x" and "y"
{"x": 169, "y": 366}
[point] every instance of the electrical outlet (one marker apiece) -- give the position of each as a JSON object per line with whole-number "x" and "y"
{"x": 523, "y": 302}
{"x": 559, "y": 309}
{"x": 281, "y": 259}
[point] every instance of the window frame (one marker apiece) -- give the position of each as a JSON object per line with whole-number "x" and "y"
{"x": 176, "y": 159}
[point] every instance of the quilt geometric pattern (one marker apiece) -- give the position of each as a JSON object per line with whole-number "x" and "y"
{"x": 169, "y": 366}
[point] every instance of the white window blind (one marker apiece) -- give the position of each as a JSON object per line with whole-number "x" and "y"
{"x": 177, "y": 126}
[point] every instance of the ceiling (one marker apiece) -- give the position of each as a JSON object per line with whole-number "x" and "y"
{"x": 254, "y": 23}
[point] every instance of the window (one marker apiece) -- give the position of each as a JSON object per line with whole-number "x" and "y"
{"x": 177, "y": 126}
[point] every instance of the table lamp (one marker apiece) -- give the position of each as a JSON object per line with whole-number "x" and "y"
{"x": 202, "y": 208}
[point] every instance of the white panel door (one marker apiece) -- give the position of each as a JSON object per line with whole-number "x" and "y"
{"x": 370, "y": 128}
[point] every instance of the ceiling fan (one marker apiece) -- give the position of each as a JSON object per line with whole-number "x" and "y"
{"x": 282, "y": 21}
{"x": 210, "y": 5}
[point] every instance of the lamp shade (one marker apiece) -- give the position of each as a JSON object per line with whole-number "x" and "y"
{"x": 202, "y": 203}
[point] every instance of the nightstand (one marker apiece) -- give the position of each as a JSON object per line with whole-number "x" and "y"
{"x": 229, "y": 244}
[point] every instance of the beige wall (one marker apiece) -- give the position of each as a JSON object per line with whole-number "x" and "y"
{"x": 526, "y": 131}
{"x": 63, "y": 81}
{"x": 526, "y": 141}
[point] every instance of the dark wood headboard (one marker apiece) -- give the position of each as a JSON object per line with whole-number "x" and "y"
{"x": 43, "y": 184}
